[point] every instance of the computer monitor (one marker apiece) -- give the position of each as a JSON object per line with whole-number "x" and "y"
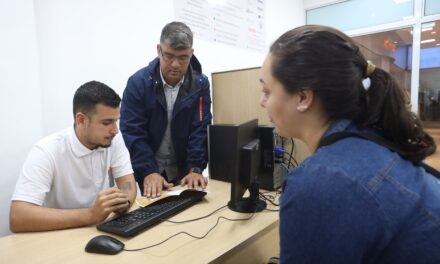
{"x": 249, "y": 168}
{"x": 235, "y": 155}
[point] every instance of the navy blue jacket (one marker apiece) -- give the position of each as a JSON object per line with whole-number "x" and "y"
{"x": 144, "y": 120}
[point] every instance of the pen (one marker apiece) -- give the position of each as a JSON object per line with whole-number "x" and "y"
{"x": 111, "y": 180}
{"x": 201, "y": 109}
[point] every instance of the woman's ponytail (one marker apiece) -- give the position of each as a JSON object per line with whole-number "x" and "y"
{"x": 388, "y": 111}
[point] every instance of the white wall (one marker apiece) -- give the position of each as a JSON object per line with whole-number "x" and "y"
{"x": 108, "y": 40}
{"x": 67, "y": 43}
{"x": 20, "y": 106}
{"x": 83, "y": 40}
{"x": 283, "y": 15}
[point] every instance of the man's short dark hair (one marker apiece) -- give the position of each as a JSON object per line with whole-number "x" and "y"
{"x": 92, "y": 93}
{"x": 178, "y": 35}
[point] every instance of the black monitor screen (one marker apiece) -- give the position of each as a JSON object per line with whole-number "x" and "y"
{"x": 234, "y": 156}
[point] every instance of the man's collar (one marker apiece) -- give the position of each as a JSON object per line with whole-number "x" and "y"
{"x": 77, "y": 147}
{"x": 165, "y": 83}
{"x": 338, "y": 126}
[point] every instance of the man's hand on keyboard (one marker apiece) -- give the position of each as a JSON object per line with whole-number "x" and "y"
{"x": 154, "y": 183}
{"x": 108, "y": 201}
{"x": 194, "y": 181}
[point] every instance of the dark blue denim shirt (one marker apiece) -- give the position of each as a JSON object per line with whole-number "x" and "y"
{"x": 355, "y": 201}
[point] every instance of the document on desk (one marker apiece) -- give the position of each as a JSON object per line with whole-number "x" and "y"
{"x": 144, "y": 201}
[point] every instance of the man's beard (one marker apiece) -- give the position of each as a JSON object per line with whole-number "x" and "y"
{"x": 104, "y": 146}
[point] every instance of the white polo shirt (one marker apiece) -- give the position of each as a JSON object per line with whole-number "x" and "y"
{"x": 60, "y": 172}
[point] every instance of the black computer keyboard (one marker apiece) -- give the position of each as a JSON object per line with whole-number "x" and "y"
{"x": 136, "y": 221}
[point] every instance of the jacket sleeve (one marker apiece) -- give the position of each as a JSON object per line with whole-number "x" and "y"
{"x": 197, "y": 151}
{"x": 134, "y": 127}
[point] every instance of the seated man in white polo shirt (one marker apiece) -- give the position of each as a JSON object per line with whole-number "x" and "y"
{"x": 68, "y": 178}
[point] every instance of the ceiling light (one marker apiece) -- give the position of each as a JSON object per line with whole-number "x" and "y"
{"x": 427, "y": 41}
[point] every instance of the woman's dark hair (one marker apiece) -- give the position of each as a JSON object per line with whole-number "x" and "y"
{"x": 329, "y": 63}
{"x": 92, "y": 93}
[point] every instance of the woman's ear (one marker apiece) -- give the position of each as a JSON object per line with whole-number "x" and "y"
{"x": 305, "y": 100}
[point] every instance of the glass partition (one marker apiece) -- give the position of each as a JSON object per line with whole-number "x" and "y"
{"x": 391, "y": 51}
{"x": 432, "y": 7}
{"x": 355, "y": 14}
{"x": 429, "y": 81}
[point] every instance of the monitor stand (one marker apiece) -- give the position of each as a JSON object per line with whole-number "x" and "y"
{"x": 247, "y": 205}
{"x": 251, "y": 204}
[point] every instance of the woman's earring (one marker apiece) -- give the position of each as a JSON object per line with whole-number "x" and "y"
{"x": 302, "y": 108}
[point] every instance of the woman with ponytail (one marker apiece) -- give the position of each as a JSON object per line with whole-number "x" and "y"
{"x": 354, "y": 200}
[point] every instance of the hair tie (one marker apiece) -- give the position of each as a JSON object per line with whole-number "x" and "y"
{"x": 370, "y": 68}
{"x": 366, "y": 82}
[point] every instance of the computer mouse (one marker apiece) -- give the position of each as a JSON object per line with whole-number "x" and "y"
{"x": 104, "y": 244}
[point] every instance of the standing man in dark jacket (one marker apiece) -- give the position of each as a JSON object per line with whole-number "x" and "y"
{"x": 165, "y": 111}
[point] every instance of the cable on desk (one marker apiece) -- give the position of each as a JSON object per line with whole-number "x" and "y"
{"x": 193, "y": 236}
{"x": 269, "y": 198}
{"x": 195, "y": 219}
{"x": 288, "y": 163}
{"x": 291, "y": 154}
{"x": 277, "y": 191}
